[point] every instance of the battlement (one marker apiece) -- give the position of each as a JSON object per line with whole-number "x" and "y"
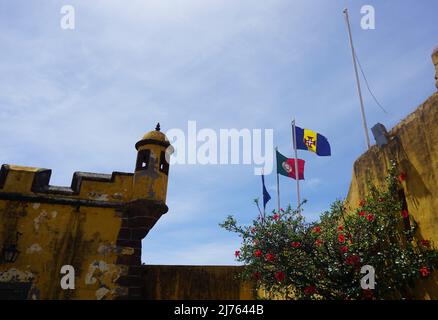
{"x": 86, "y": 188}
{"x": 95, "y": 225}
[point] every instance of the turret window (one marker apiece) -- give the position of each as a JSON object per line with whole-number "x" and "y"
{"x": 143, "y": 158}
{"x": 164, "y": 165}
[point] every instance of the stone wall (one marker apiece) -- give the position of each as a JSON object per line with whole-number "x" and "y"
{"x": 195, "y": 282}
{"x": 95, "y": 226}
{"x": 413, "y": 145}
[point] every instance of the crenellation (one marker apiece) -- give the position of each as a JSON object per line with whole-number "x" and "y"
{"x": 36, "y": 181}
{"x": 96, "y": 224}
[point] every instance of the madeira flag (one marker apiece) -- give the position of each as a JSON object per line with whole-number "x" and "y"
{"x": 286, "y": 167}
{"x": 312, "y": 141}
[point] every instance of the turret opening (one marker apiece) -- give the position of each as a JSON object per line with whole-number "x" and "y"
{"x": 164, "y": 165}
{"x": 143, "y": 157}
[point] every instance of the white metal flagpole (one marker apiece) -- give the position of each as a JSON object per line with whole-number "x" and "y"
{"x": 294, "y": 142}
{"x": 364, "y": 120}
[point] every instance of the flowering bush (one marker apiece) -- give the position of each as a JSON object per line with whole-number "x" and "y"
{"x": 293, "y": 259}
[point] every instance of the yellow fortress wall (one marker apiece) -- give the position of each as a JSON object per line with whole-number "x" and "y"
{"x": 96, "y": 226}
{"x": 195, "y": 282}
{"x": 413, "y": 145}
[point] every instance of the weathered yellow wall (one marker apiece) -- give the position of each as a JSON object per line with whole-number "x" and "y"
{"x": 414, "y": 147}
{"x": 96, "y": 226}
{"x": 195, "y": 282}
{"x": 54, "y": 235}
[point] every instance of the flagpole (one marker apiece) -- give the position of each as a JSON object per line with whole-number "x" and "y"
{"x": 278, "y": 183}
{"x": 297, "y": 176}
{"x": 260, "y": 210}
{"x": 364, "y": 120}
{"x": 263, "y": 195}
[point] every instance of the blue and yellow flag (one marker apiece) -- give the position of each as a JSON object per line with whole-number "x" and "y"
{"x": 312, "y": 141}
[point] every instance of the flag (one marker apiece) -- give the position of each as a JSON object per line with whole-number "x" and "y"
{"x": 312, "y": 141}
{"x": 266, "y": 196}
{"x": 286, "y": 167}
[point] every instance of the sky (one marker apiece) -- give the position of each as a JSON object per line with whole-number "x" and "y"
{"x": 79, "y": 100}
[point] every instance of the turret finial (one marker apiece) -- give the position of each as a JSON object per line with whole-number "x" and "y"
{"x": 157, "y": 128}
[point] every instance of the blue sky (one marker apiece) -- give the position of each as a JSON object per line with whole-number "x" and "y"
{"x": 79, "y": 100}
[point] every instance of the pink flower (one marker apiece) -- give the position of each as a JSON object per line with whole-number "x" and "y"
{"x": 340, "y": 228}
{"x": 344, "y": 249}
{"x": 402, "y": 176}
{"x": 318, "y": 242}
{"x": 269, "y": 257}
{"x": 296, "y": 244}
{"x": 425, "y": 243}
{"x": 279, "y": 276}
{"x": 341, "y": 238}
{"x": 281, "y": 209}
{"x": 362, "y": 203}
{"x": 237, "y": 253}
{"x": 405, "y": 214}
{"x": 276, "y": 217}
{"x": 424, "y": 271}
{"x": 362, "y": 214}
{"x": 258, "y": 253}
{"x": 352, "y": 260}
{"x": 370, "y": 217}
{"x": 317, "y": 230}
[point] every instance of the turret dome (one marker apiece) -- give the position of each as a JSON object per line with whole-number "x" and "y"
{"x": 153, "y": 137}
